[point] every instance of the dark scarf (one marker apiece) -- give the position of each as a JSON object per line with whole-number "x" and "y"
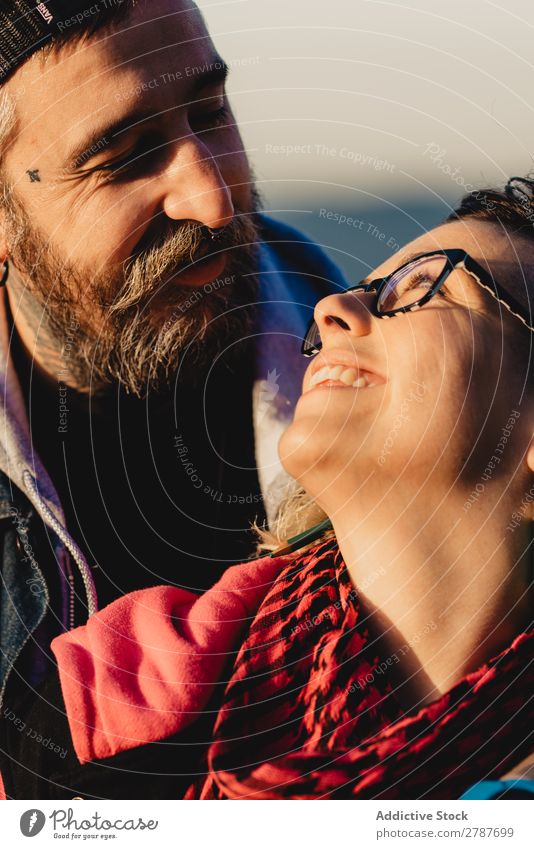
{"x": 310, "y": 712}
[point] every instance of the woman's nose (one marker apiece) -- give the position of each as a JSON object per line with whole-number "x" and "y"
{"x": 343, "y": 315}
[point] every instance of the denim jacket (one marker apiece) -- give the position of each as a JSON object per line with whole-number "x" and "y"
{"x": 294, "y": 275}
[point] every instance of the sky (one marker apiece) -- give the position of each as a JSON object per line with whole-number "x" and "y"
{"x": 353, "y": 105}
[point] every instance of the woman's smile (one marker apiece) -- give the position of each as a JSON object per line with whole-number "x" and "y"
{"x": 341, "y": 376}
{"x": 340, "y": 369}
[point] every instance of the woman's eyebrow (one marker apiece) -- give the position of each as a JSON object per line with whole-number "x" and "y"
{"x": 402, "y": 261}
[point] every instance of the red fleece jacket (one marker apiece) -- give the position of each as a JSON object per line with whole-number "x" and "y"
{"x": 144, "y": 667}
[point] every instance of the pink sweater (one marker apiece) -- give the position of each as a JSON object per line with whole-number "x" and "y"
{"x": 144, "y": 667}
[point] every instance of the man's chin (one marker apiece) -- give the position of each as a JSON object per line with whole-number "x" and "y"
{"x": 177, "y": 339}
{"x": 200, "y": 308}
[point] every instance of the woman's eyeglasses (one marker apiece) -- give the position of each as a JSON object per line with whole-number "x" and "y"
{"x": 414, "y": 284}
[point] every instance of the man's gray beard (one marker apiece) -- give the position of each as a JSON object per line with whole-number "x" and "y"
{"x": 150, "y": 331}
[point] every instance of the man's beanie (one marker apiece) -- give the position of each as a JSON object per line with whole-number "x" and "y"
{"x": 26, "y": 26}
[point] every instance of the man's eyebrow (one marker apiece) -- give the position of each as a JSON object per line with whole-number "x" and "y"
{"x": 109, "y": 135}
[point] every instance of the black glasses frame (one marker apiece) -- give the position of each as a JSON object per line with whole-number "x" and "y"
{"x": 455, "y": 258}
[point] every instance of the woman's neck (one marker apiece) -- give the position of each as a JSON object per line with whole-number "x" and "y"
{"x": 447, "y": 590}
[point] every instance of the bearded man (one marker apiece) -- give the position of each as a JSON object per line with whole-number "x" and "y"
{"x": 150, "y": 319}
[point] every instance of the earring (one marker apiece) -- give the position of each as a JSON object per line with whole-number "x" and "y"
{"x": 5, "y": 274}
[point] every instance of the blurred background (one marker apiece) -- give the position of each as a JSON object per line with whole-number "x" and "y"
{"x": 366, "y": 120}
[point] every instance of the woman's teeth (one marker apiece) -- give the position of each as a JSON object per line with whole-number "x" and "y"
{"x": 348, "y": 376}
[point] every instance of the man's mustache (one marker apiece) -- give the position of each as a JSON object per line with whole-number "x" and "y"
{"x": 194, "y": 240}
{"x": 171, "y": 252}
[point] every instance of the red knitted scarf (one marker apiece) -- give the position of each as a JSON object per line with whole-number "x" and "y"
{"x": 310, "y": 711}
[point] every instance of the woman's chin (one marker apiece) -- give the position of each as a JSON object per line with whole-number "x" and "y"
{"x": 303, "y": 450}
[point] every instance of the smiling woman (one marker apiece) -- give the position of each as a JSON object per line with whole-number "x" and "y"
{"x": 501, "y": 230}
{"x": 393, "y": 657}
{"x": 422, "y": 683}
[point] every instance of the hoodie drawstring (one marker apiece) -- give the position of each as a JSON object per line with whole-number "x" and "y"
{"x": 66, "y": 539}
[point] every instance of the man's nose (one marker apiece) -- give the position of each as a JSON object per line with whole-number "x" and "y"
{"x": 343, "y": 315}
{"x": 195, "y": 188}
